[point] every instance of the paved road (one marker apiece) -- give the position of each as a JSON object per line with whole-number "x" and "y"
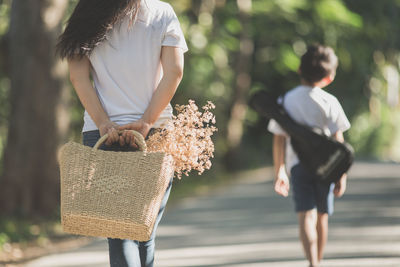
{"x": 246, "y": 225}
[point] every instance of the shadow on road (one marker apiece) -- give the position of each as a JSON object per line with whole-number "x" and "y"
{"x": 246, "y": 224}
{"x": 249, "y": 225}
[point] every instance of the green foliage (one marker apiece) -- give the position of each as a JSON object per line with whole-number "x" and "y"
{"x": 4, "y": 110}
{"x": 4, "y": 81}
{"x": 5, "y": 6}
{"x": 337, "y": 12}
{"x": 15, "y": 230}
{"x": 375, "y": 134}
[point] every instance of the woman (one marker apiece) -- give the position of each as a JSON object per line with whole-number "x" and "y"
{"x": 133, "y": 51}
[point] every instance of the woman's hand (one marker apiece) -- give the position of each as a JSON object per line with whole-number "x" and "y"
{"x": 140, "y": 126}
{"x": 110, "y": 128}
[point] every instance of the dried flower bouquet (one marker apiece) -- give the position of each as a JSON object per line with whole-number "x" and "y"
{"x": 187, "y": 138}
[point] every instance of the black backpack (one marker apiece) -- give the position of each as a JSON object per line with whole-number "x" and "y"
{"x": 322, "y": 155}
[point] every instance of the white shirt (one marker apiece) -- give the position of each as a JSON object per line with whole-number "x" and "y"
{"x": 315, "y": 108}
{"x": 126, "y": 67}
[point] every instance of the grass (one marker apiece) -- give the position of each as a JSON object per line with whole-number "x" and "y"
{"x": 24, "y": 231}
{"x": 23, "y": 239}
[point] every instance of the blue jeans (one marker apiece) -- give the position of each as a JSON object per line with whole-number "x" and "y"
{"x": 129, "y": 253}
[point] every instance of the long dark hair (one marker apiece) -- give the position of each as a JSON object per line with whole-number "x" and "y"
{"x": 89, "y": 23}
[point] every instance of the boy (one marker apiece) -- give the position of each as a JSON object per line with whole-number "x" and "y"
{"x": 308, "y": 104}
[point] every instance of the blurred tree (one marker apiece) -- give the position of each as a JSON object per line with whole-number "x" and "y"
{"x": 29, "y": 185}
{"x": 242, "y": 83}
{"x": 4, "y": 81}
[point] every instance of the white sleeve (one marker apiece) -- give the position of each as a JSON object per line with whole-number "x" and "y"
{"x": 338, "y": 120}
{"x": 275, "y": 128}
{"x": 173, "y": 35}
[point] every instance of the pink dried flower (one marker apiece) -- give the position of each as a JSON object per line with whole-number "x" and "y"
{"x": 187, "y": 137}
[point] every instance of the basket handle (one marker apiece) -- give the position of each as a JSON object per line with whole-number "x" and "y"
{"x": 139, "y": 140}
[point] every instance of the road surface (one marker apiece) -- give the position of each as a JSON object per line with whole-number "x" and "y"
{"x": 245, "y": 224}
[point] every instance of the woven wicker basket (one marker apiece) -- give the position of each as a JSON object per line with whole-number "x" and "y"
{"x": 112, "y": 194}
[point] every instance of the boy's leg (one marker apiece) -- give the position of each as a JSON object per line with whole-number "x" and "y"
{"x": 322, "y": 231}
{"x": 308, "y": 235}
{"x": 325, "y": 208}
{"x": 304, "y": 196}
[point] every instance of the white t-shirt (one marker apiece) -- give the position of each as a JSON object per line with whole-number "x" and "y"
{"x": 126, "y": 67}
{"x": 313, "y": 107}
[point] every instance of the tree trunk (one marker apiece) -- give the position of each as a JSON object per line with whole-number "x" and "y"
{"x": 30, "y": 185}
{"x": 242, "y": 84}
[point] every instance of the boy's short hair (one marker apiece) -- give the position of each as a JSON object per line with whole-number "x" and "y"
{"x": 317, "y": 63}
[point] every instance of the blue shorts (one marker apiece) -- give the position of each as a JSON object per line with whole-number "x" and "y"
{"x": 309, "y": 194}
